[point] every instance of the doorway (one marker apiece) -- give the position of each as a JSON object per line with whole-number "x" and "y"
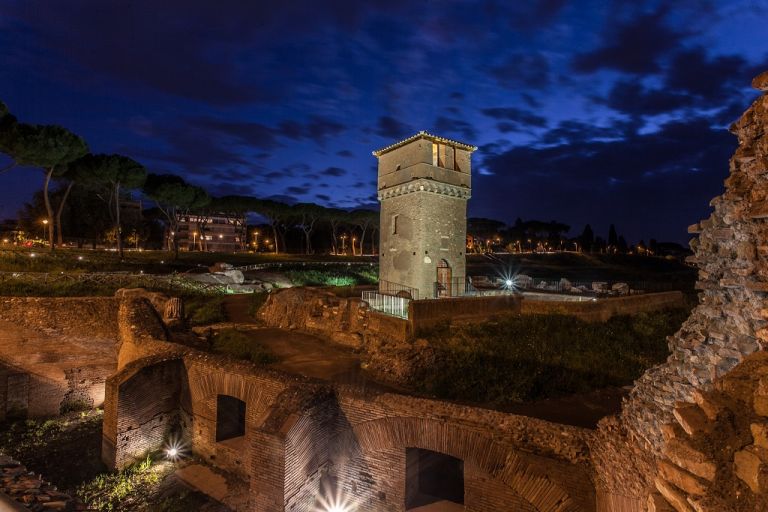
{"x": 443, "y": 279}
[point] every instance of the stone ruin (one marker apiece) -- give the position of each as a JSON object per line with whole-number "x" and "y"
{"x": 652, "y": 457}
{"x": 692, "y": 435}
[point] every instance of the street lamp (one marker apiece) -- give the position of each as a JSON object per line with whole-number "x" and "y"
{"x": 255, "y": 241}
{"x": 194, "y": 240}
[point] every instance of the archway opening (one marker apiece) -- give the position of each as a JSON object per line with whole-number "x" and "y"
{"x": 230, "y": 418}
{"x": 443, "y": 283}
{"x": 434, "y": 481}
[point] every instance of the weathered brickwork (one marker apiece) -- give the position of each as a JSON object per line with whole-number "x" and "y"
{"x": 423, "y": 185}
{"x": 55, "y": 354}
{"x": 728, "y": 324}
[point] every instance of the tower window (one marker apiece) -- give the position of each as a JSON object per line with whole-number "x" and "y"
{"x": 394, "y": 224}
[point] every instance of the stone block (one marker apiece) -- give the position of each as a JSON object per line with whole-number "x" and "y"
{"x": 681, "y": 478}
{"x": 657, "y": 503}
{"x": 760, "y": 434}
{"x": 674, "y": 496}
{"x": 692, "y": 418}
{"x": 750, "y": 467}
{"x": 690, "y": 459}
{"x": 761, "y": 405}
{"x": 709, "y": 406}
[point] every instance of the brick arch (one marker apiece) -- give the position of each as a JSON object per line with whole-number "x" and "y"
{"x": 206, "y": 383}
{"x": 496, "y": 459}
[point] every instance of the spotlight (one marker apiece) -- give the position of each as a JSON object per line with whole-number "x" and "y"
{"x": 509, "y": 283}
{"x": 338, "y": 508}
{"x": 174, "y": 450}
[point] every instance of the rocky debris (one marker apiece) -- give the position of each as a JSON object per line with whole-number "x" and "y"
{"x": 620, "y": 288}
{"x": 715, "y": 456}
{"x": 169, "y": 309}
{"x": 317, "y": 312}
{"x": 731, "y": 320}
{"x": 31, "y": 490}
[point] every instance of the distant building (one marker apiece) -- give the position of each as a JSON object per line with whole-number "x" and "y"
{"x": 213, "y": 233}
{"x": 424, "y": 184}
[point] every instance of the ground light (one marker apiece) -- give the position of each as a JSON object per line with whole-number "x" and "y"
{"x": 334, "y": 503}
{"x": 174, "y": 450}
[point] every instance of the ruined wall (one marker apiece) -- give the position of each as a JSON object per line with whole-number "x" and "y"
{"x": 603, "y": 309}
{"x": 728, "y": 325}
{"x": 95, "y": 317}
{"x": 55, "y": 354}
{"x": 423, "y": 314}
{"x": 519, "y": 458}
{"x": 316, "y": 311}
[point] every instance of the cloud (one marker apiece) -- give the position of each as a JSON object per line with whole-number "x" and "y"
{"x": 345, "y": 153}
{"x": 635, "y": 46}
{"x": 317, "y": 128}
{"x": 657, "y": 183}
{"x": 334, "y": 171}
{"x": 515, "y": 119}
{"x": 252, "y": 134}
{"x": 390, "y": 128}
{"x": 323, "y": 197}
{"x": 297, "y": 190}
{"x": 448, "y": 126}
{"x": 523, "y": 69}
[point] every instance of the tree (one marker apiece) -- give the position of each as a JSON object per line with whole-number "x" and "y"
{"x": 613, "y": 238}
{"x": 174, "y": 198}
{"x": 587, "y": 238}
{"x": 335, "y": 217}
{"x": 48, "y": 147}
{"x": 308, "y": 215}
{"x": 365, "y": 220}
{"x": 276, "y": 214}
{"x": 8, "y": 127}
{"x": 116, "y": 172}
{"x": 235, "y": 209}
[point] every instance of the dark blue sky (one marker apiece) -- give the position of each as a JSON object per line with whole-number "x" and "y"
{"x": 589, "y": 111}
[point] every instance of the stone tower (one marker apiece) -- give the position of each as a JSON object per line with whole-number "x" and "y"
{"x": 424, "y": 184}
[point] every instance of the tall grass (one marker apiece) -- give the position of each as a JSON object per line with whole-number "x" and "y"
{"x": 527, "y": 357}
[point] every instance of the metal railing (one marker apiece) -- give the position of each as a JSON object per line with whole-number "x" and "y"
{"x": 398, "y": 290}
{"x": 388, "y": 304}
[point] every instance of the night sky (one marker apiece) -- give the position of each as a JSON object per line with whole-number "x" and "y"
{"x": 588, "y": 111}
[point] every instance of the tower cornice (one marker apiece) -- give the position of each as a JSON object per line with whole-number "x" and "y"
{"x": 427, "y": 186}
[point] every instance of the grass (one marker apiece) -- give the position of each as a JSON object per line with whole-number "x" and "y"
{"x": 17, "y": 259}
{"x": 333, "y": 275}
{"x": 204, "y": 310}
{"x": 66, "y": 449}
{"x": 528, "y": 357}
{"x": 117, "y": 491}
{"x": 240, "y": 345}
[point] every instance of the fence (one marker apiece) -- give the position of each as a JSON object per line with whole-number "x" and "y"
{"x": 399, "y": 290}
{"x": 387, "y": 304}
{"x": 170, "y": 282}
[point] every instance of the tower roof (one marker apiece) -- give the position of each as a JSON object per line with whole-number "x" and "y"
{"x": 424, "y": 135}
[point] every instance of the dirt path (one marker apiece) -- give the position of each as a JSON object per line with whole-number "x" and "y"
{"x": 236, "y": 309}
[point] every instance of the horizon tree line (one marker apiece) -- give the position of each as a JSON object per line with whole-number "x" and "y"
{"x": 108, "y": 180}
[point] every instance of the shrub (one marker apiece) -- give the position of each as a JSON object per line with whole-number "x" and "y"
{"x": 240, "y": 345}
{"x": 205, "y": 310}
